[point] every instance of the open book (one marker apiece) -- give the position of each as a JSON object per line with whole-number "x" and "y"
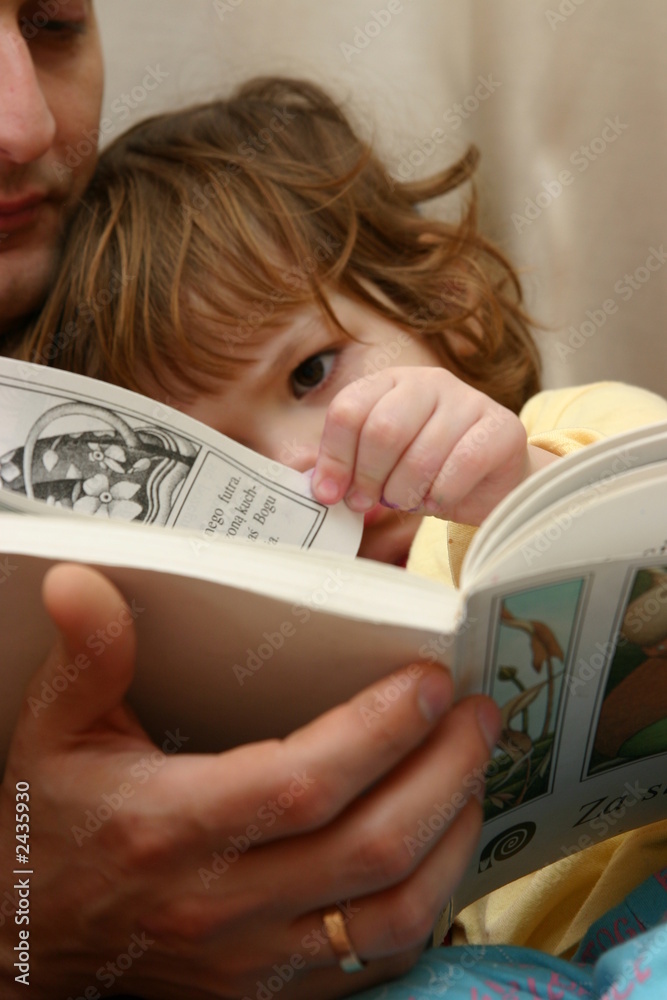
{"x": 253, "y": 616}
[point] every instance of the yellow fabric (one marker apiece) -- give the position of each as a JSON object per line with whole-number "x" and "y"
{"x": 552, "y": 908}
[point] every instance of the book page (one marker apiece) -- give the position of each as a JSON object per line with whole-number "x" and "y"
{"x": 623, "y": 516}
{"x": 595, "y": 466}
{"x": 83, "y": 446}
{"x": 236, "y": 641}
{"x": 577, "y": 661}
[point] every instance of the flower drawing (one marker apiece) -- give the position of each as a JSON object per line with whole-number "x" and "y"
{"x": 104, "y": 500}
{"x": 112, "y": 457}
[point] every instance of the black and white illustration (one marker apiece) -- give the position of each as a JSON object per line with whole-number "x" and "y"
{"x": 107, "y": 468}
{"x": 89, "y": 448}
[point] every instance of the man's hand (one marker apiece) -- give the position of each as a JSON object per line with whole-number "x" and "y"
{"x": 168, "y": 875}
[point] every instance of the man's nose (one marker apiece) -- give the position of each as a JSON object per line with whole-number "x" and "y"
{"x": 27, "y": 126}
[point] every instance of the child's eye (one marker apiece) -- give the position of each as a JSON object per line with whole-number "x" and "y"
{"x": 312, "y": 373}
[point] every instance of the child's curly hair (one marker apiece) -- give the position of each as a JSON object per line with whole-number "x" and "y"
{"x": 228, "y": 217}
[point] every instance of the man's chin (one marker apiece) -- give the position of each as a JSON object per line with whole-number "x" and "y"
{"x": 25, "y": 278}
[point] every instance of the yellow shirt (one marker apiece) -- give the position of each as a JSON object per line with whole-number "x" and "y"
{"x": 552, "y": 908}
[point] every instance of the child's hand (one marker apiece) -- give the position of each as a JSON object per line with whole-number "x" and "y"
{"x": 421, "y": 439}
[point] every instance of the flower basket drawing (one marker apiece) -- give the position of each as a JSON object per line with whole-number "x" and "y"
{"x": 132, "y": 474}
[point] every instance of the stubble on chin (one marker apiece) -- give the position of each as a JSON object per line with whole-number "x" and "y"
{"x": 24, "y": 285}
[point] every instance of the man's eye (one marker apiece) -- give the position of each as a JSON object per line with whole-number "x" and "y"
{"x": 39, "y": 26}
{"x": 312, "y": 372}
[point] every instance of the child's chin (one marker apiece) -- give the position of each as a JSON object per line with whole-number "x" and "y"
{"x": 389, "y": 540}
{"x": 393, "y": 556}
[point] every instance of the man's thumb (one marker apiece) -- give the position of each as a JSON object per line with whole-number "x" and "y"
{"x": 90, "y": 665}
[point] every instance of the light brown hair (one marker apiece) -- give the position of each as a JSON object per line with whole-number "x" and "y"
{"x": 231, "y": 215}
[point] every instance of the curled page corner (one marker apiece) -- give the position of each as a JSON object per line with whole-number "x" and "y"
{"x": 345, "y": 526}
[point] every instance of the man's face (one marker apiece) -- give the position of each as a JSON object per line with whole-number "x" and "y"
{"x": 51, "y": 80}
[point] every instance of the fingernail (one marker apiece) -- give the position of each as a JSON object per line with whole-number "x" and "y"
{"x": 434, "y": 695}
{"x": 488, "y": 718}
{"x": 397, "y": 506}
{"x": 325, "y": 490}
{"x": 358, "y": 502}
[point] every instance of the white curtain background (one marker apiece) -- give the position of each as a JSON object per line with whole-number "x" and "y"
{"x": 566, "y": 99}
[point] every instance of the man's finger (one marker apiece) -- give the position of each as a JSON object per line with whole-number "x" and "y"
{"x": 91, "y": 663}
{"x": 303, "y": 782}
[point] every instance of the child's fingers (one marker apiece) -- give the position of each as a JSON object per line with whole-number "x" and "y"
{"x": 419, "y": 438}
{"x": 391, "y": 430}
{"x": 345, "y": 418}
{"x": 482, "y": 467}
{"x": 411, "y": 479}
{"x": 465, "y": 458}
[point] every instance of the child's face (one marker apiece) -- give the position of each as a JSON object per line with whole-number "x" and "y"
{"x": 278, "y": 402}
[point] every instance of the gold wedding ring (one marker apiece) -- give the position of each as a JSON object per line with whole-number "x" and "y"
{"x": 334, "y": 925}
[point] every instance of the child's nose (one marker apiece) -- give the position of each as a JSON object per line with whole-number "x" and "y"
{"x": 292, "y": 451}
